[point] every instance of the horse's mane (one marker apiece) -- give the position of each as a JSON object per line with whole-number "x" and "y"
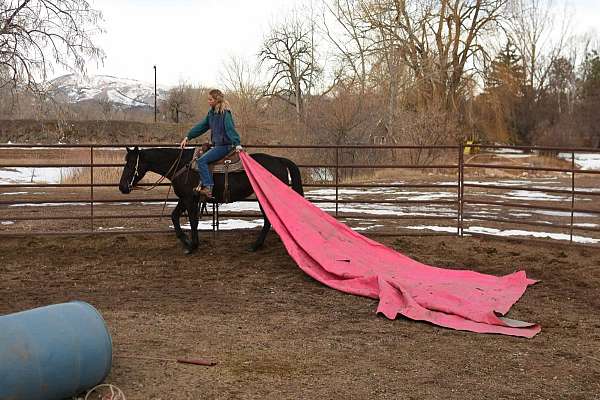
{"x": 161, "y": 154}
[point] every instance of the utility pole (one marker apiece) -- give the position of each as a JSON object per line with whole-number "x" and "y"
{"x": 155, "y": 94}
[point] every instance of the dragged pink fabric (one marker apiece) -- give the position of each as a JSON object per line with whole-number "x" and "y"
{"x": 341, "y": 258}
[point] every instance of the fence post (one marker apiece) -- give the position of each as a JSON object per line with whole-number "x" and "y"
{"x": 459, "y": 190}
{"x": 572, "y": 195}
{"x": 92, "y": 188}
{"x": 337, "y": 180}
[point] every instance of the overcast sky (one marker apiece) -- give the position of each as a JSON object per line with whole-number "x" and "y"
{"x": 189, "y": 40}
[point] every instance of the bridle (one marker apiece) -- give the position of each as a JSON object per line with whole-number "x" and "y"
{"x": 136, "y": 172}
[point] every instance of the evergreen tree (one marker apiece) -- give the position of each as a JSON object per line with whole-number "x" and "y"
{"x": 591, "y": 75}
{"x": 505, "y": 91}
{"x": 506, "y": 71}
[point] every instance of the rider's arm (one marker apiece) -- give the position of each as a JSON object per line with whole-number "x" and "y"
{"x": 198, "y": 129}
{"x": 230, "y": 129}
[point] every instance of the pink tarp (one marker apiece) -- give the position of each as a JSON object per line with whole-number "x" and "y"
{"x": 338, "y": 257}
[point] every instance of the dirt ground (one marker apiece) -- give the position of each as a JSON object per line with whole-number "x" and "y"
{"x": 278, "y": 334}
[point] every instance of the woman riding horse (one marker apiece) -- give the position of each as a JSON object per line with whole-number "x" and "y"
{"x": 223, "y": 138}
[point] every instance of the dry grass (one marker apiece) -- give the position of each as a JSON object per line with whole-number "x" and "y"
{"x": 76, "y": 175}
{"x": 105, "y": 175}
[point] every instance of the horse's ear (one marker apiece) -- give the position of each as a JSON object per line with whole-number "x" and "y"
{"x": 136, "y": 149}
{"x": 128, "y": 149}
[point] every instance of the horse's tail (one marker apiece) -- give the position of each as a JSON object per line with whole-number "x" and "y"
{"x": 294, "y": 172}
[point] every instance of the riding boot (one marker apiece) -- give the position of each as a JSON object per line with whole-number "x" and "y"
{"x": 206, "y": 193}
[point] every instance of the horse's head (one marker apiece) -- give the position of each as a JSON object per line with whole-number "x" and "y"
{"x": 134, "y": 170}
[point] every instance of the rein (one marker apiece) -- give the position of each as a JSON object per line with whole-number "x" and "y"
{"x": 162, "y": 178}
{"x": 158, "y": 182}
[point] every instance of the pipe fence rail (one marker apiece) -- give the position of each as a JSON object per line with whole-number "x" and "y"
{"x": 441, "y": 191}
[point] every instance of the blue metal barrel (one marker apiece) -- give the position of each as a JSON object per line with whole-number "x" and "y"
{"x": 53, "y": 352}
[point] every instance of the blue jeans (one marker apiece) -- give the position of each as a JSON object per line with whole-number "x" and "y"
{"x": 212, "y": 155}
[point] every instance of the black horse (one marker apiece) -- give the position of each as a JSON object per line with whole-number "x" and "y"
{"x": 168, "y": 162}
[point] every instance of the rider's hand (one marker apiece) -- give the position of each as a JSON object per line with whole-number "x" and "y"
{"x": 239, "y": 148}
{"x": 183, "y": 142}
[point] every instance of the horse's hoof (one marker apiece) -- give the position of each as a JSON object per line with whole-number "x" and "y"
{"x": 190, "y": 249}
{"x": 253, "y": 248}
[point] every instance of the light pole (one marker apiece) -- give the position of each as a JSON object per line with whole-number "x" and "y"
{"x": 155, "y": 94}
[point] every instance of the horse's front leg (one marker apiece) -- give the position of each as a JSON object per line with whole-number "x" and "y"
{"x": 193, "y": 211}
{"x": 175, "y": 216}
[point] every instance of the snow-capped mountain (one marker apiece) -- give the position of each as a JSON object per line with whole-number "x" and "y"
{"x": 123, "y": 92}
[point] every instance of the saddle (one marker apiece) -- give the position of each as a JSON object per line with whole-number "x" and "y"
{"x": 230, "y": 163}
{"x": 226, "y": 165}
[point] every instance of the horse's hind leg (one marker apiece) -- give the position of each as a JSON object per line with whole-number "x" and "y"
{"x": 263, "y": 233}
{"x": 175, "y": 215}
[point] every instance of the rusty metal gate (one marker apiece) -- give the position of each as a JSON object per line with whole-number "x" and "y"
{"x": 352, "y": 187}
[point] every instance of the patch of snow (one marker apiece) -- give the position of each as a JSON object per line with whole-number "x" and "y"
{"x": 32, "y": 175}
{"x": 504, "y": 150}
{"x": 517, "y": 214}
{"x": 342, "y": 191}
{"x": 585, "y": 161}
{"x": 366, "y": 228}
{"x": 48, "y": 204}
{"x": 513, "y": 155}
{"x": 12, "y": 193}
{"x": 529, "y": 195}
{"x": 227, "y": 224}
{"x": 328, "y": 194}
{"x": 388, "y": 210}
{"x": 506, "y": 233}
{"x": 151, "y": 203}
{"x": 238, "y": 207}
{"x": 518, "y": 232}
{"x": 585, "y": 225}
{"x": 561, "y": 213}
{"x": 7, "y": 223}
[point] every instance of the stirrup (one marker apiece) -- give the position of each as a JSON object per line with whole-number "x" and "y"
{"x": 206, "y": 193}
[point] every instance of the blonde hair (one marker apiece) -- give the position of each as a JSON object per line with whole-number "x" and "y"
{"x": 222, "y": 104}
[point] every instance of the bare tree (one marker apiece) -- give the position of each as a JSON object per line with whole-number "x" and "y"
{"x": 242, "y": 80}
{"x": 288, "y": 51}
{"x": 440, "y": 41}
{"x": 346, "y": 29}
{"x": 180, "y": 101}
{"x": 106, "y": 107}
{"x": 240, "y": 77}
{"x": 539, "y": 36}
{"x": 35, "y": 34}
